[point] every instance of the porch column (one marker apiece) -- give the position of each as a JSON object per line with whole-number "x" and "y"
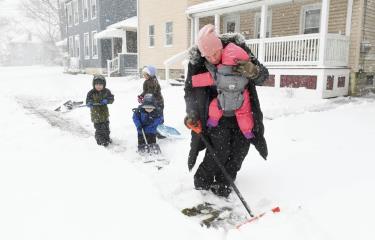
{"x": 217, "y": 23}
{"x": 124, "y": 46}
{"x": 196, "y": 28}
{"x": 324, "y": 16}
{"x": 263, "y": 32}
{"x": 113, "y": 48}
{"x": 167, "y": 72}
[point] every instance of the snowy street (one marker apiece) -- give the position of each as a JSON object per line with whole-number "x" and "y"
{"x": 57, "y": 183}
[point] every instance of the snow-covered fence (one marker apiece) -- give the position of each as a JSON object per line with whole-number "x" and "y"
{"x": 112, "y": 66}
{"x": 254, "y": 46}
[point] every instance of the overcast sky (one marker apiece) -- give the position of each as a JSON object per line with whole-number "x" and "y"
{"x": 9, "y": 8}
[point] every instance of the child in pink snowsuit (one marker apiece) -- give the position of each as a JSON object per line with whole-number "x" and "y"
{"x": 230, "y": 55}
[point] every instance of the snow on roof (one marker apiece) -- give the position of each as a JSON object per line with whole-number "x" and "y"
{"x": 216, "y": 4}
{"x": 110, "y": 33}
{"x": 129, "y": 24}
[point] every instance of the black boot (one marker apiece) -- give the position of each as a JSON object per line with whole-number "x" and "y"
{"x": 221, "y": 190}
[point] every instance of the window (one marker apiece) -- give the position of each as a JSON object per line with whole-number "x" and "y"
{"x": 71, "y": 46}
{"x": 94, "y": 45}
{"x": 76, "y": 12}
{"x": 370, "y": 80}
{"x": 70, "y": 14}
{"x": 85, "y": 10}
{"x": 151, "y": 35}
{"x": 310, "y": 22}
{"x": 257, "y": 24}
{"x": 231, "y": 23}
{"x": 93, "y": 9}
{"x": 169, "y": 33}
{"x": 77, "y": 47}
{"x": 86, "y": 45}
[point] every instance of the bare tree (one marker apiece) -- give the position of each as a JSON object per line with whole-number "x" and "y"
{"x": 45, "y": 13}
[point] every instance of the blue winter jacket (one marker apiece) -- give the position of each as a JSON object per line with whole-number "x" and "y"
{"x": 148, "y": 121}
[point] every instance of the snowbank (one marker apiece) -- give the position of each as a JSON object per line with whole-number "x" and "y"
{"x": 55, "y": 183}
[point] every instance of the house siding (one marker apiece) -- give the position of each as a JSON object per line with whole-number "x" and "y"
{"x": 355, "y": 35}
{"x": 286, "y": 18}
{"x": 108, "y": 12}
{"x": 337, "y": 16}
{"x": 369, "y": 35}
{"x": 81, "y": 29}
{"x": 362, "y": 63}
{"x": 153, "y": 12}
{"x": 247, "y": 23}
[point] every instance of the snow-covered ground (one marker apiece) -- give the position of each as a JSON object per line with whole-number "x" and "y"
{"x": 56, "y": 183}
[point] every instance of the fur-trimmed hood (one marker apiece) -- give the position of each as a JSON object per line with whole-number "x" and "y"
{"x": 195, "y": 55}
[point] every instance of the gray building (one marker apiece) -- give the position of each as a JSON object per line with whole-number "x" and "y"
{"x": 81, "y": 22}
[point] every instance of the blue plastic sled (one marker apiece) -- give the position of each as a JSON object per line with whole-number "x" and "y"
{"x": 168, "y": 132}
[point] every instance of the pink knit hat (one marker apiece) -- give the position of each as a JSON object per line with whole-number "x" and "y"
{"x": 208, "y": 41}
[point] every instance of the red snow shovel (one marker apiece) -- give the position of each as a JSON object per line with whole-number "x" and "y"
{"x": 253, "y": 219}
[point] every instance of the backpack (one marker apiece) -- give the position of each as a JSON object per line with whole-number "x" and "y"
{"x": 230, "y": 87}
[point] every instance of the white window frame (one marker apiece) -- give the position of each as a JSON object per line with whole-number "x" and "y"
{"x": 232, "y": 18}
{"x": 77, "y": 47}
{"x": 85, "y": 6}
{"x": 92, "y": 3}
{"x": 86, "y": 45}
{"x": 167, "y": 34}
{"x": 75, "y": 12}
{"x": 69, "y": 10}
{"x": 94, "y": 40}
{"x": 305, "y": 9}
{"x": 257, "y": 24}
{"x": 151, "y": 36}
{"x": 71, "y": 46}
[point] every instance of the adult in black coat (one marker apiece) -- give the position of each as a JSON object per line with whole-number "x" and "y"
{"x": 226, "y": 138}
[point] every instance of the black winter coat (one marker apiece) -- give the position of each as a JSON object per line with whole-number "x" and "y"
{"x": 152, "y": 86}
{"x": 198, "y": 99}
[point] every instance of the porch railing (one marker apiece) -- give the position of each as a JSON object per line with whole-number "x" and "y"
{"x": 301, "y": 50}
{"x": 337, "y": 50}
{"x": 112, "y": 66}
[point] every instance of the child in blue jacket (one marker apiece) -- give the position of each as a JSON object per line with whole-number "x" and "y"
{"x": 146, "y": 118}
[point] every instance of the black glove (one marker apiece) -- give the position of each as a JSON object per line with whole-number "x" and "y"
{"x": 246, "y": 69}
{"x": 191, "y": 119}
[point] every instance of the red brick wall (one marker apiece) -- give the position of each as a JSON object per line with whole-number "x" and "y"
{"x": 296, "y": 81}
